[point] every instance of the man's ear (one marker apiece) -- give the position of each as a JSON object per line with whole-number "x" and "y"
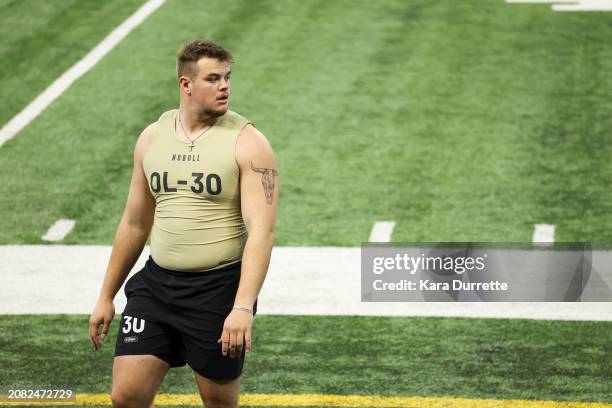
{"x": 188, "y": 90}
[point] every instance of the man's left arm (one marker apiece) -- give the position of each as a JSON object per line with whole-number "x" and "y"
{"x": 259, "y": 185}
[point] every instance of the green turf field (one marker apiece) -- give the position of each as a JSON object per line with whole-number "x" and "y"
{"x": 478, "y": 358}
{"x": 41, "y": 40}
{"x": 466, "y": 120}
{"x": 461, "y": 121}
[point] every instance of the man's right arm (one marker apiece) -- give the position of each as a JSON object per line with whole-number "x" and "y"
{"x": 130, "y": 239}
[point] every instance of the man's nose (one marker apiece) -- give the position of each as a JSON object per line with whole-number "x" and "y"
{"x": 224, "y": 84}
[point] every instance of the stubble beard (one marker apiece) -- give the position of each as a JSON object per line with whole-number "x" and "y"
{"x": 207, "y": 114}
{"x": 214, "y": 113}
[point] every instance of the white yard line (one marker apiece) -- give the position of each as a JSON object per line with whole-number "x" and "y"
{"x": 570, "y": 5}
{"x": 543, "y": 234}
{"x": 382, "y": 231}
{"x": 542, "y": 1}
{"x": 59, "y": 230}
{"x": 301, "y": 280}
{"x": 23, "y": 118}
{"x": 585, "y": 5}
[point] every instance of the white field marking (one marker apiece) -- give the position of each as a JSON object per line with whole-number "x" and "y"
{"x": 585, "y": 5}
{"x": 21, "y": 120}
{"x": 59, "y": 230}
{"x": 542, "y": 1}
{"x": 43, "y": 279}
{"x": 382, "y": 231}
{"x": 570, "y": 5}
{"x": 543, "y": 234}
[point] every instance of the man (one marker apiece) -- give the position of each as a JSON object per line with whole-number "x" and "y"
{"x": 205, "y": 186}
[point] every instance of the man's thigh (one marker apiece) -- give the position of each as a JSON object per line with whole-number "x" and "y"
{"x": 136, "y": 379}
{"x": 218, "y": 393}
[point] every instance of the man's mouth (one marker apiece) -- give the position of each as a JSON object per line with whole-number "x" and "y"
{"x": 223, "y": 99}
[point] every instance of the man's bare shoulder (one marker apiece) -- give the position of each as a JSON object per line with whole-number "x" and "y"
{"x": 143, "y": 140}
{"x": 250, "y": 134}
{"x": 146, "y": 134}
{"x": 252, "y": 145}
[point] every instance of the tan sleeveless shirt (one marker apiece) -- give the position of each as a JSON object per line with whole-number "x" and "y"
{"x": 198, "y": 222}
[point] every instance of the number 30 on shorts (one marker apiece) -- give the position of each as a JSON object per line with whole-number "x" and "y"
{"x": 132, "y": 323}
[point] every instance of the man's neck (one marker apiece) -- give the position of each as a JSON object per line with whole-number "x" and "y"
{"x": 194, "y": 121}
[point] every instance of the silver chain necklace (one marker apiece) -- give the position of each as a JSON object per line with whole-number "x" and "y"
{"x": 185, "y": 132}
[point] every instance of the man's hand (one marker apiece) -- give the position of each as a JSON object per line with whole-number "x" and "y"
{"x": 102, "y": 315}
{"x": 236, "y": 332}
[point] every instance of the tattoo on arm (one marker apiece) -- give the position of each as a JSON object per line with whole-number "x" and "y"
{"x": 267, "y": 181}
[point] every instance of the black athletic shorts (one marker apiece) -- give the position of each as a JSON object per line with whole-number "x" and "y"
{"x": 179, "y": 316}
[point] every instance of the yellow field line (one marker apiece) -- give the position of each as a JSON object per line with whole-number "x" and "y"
{"x": 301, "y": 400}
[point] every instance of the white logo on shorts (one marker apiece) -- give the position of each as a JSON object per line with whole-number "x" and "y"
{"x": 132, "y": 339}
{"x": 133, "y": 323}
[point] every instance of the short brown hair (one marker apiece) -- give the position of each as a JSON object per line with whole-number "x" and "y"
{"x": 190, "y": 53}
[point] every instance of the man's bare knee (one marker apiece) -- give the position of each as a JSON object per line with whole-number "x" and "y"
{"x": 124, "y": 399}
{"x": 218, "y": 393}
{"x": 220, "y": 401}
{"x": 136, "y": 379}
